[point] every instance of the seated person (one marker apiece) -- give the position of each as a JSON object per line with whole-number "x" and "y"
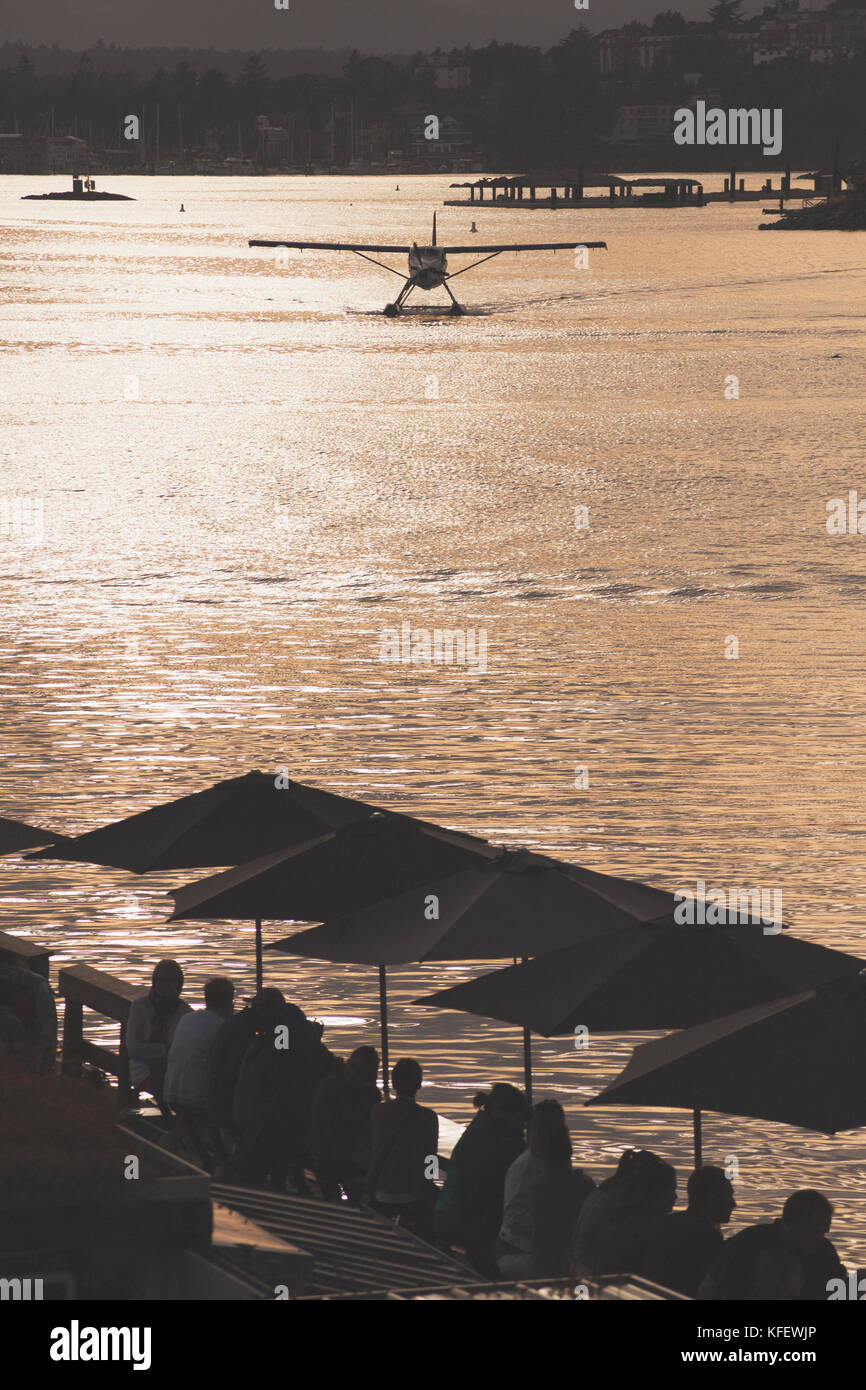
{"x": 151, "y": 1026}
{"x": 778, "y": 1276}
{"x": 187, "y": 1072}
{"x": 31, "y": 1000}
{"x": 12, "y": 1033}
{"x": 802, "y": 1230}
{"x": 227, "y": 1055}
{"x": 617, "y": 1221}
{"x": 543, "y": 1197}
{"x": 339, "y": 1132}
{"x": 684, "y": 1244}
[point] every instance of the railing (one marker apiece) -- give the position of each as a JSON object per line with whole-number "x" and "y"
{"x": 82, "y": 987}
{"x": 30, "y": 954}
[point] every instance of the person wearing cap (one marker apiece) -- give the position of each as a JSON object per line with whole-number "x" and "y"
{"x": 151, "y": 1025}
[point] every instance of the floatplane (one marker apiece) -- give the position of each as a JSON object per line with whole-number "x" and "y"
{"x": 428, "y": 265}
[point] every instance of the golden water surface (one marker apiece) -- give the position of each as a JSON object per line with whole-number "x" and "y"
{"x": 231, "y": 474}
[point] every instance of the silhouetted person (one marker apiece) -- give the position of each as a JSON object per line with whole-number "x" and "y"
{"x": 778, "y": 1276}
{"x": 801, "y": 1230}
{"x": 30, "y": 999}
{"x": 151, "y": 1026}
{"x": 12, "y": 1034}
{"x": 339, "y": 1133}
{"x": 543, "y": 1197}
{"x": 616, "y": 1221}
{"x": 469, "y": 1206}
{"x": 227, "y": 1054}
{"x": 187, "y": 1074}
{"x": 274, "y": 1098}
{"x": 404, "y": 1138}
{"x": 684, "y": 1244}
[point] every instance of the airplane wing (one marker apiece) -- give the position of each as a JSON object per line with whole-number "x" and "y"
{"x": 449, "y": 250}
{"x": 330, "y": 246}
{"x": 528, "y": 246}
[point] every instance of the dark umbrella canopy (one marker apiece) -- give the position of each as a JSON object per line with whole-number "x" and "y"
{"x": 797, "y": 1061}
{"x": 241, "y": 818}
{"x": 507, "y": 903}
{"x": 648, "y": 976}
{"x": 355, "y": 864}
{"x": 15, "y": 835}
{"x": 514, "y": 903}
{"x": 332, "y": 872}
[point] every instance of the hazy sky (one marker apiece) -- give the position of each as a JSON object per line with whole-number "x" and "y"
{"x": 372, "y": 25}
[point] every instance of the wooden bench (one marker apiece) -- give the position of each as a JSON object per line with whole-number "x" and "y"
{"x": 29, "y": 953}
{"x": 83, "y": 987}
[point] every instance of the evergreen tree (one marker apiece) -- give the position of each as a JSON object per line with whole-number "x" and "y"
{"x": 669, "y": 22}
{"x": 726, "y": 14}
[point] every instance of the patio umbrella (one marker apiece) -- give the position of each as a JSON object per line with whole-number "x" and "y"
{"x": 797, "y": 1061}
{"x": 647, "y": 975}
{"x": 239, "y": 818}
{"x": 352, "y": 866}
{"x": 511, "y": 903}
{"x": 515, "y": 903}
{"x": 15, "y": 835}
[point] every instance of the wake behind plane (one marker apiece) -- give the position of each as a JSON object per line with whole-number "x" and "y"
{"x": 428, "y": 265}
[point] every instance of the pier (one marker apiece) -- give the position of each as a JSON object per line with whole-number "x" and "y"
{"x": 603, "y": 190}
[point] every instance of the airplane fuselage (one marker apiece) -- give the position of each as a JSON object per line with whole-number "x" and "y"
{"x": 428, "y": 267}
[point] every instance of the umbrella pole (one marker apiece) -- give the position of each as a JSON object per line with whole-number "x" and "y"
{"x": 696, "y": 1115}
{"x": 383, "y": 1017}
{"x": 258, "y": 953}
{"x": 527, "y": 1057}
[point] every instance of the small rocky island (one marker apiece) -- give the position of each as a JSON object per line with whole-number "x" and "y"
{"x": 84, "y": 191}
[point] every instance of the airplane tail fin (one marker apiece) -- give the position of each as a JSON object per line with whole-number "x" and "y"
{"x": 433, "y": 242}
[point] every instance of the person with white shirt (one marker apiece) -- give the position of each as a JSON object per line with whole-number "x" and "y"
{"x": 187, "y": 1075}
{"x": 150, "y": 1028}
